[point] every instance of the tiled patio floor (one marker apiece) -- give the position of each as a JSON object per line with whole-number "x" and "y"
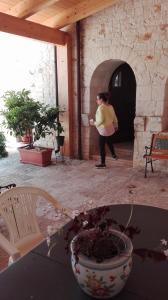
{"x": 73, "y": 182}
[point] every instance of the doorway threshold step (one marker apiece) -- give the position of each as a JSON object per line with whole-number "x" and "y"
{"x": 119, "y": 162}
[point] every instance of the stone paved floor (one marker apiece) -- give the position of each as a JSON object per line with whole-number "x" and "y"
{"x": 74, "y": 182}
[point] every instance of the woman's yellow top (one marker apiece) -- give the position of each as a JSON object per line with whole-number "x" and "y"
{"x": 106, "y": 120}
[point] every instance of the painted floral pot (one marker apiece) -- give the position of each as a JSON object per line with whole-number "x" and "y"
{"x": 106, "y": 279}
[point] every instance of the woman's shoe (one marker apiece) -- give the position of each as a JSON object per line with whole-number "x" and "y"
{"x": 100, "y": 166}
{"x": 114, "y": 157}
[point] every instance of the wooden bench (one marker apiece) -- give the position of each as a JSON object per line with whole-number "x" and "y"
{"x": 157, "y": 151}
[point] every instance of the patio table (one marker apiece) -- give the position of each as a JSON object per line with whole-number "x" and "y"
{"x": 39, "y": 277}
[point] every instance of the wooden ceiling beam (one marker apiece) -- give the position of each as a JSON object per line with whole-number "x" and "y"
{"x": 32, "y": 30}
{"x": 77, "y": 12}
{"x": 26, "y": 8}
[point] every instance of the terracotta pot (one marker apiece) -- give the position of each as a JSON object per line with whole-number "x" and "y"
{"x": 27, "y": 139}
{"x": 106, "y": 279}
{"x": 37, "y": 156}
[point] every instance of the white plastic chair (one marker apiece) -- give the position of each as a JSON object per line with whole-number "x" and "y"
{"x": 18, "y": 209}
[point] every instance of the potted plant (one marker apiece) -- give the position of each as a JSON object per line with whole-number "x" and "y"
{"x": 24, "y": 115}
{"x": 49, "y": 123}
{"x": 46, "y": 124}
{"x": 60, "y": 137}
{"x": 101, "y": 256}
{"x": 21, "y": 113}
{"x": 101, "y": 250}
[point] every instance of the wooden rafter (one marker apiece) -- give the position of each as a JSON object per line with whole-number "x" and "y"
{"x": 26, "y": 8}
{"x": 79, "y": 11}
{"x": 32, "y": 30}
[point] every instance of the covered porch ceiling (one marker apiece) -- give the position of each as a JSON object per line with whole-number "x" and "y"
{"x": 43, "y": 19}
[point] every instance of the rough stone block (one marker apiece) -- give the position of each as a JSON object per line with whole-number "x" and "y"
{"x": 139, "y": 123}
{"x": 154, "y": 124}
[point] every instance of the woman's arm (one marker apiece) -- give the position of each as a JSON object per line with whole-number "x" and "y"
{"x": 99, "y": 117}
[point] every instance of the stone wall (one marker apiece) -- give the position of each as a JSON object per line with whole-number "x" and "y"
{"x": 29, "y": 64}
{"x": 135, "y": 32}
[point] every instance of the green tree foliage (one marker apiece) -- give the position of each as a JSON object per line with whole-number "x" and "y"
{"x": 3, "y": 152}
{"x": 23, "y": 114}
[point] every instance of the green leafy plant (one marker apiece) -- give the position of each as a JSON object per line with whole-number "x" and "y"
{"x": 49, "y": 120}
{"x": 21, "y": 111}
{"x": 3, "y": 152}
{"x": 25, "y": 115}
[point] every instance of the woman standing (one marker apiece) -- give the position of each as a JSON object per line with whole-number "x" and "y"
{"x": 106, "y": 123}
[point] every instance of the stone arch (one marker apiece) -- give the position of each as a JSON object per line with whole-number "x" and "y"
{"x": 123, "y": 54}
{"x": 100, "y": 79}
{"x": 118, "y": 55}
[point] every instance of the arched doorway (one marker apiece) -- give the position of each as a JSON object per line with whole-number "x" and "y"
{"x": 122, "y": 91}
{"x": 103, "y": 81}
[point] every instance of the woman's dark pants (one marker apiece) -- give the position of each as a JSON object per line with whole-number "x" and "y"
{"x": 103, "y": 140}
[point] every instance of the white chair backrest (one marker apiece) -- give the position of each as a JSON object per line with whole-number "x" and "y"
{"x": 4, "y": 188}
{"x": 18, "y": 208}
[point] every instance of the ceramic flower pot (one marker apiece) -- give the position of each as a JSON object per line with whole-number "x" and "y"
{"x": 106, "y": 279}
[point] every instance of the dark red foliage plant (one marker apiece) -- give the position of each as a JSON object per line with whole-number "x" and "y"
{"x": 96, "y": 240}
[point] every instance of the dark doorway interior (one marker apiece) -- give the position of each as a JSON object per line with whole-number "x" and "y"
{"x": 122, "y": 90}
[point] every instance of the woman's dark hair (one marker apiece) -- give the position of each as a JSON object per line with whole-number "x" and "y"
{"x": 103, "y": 96}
